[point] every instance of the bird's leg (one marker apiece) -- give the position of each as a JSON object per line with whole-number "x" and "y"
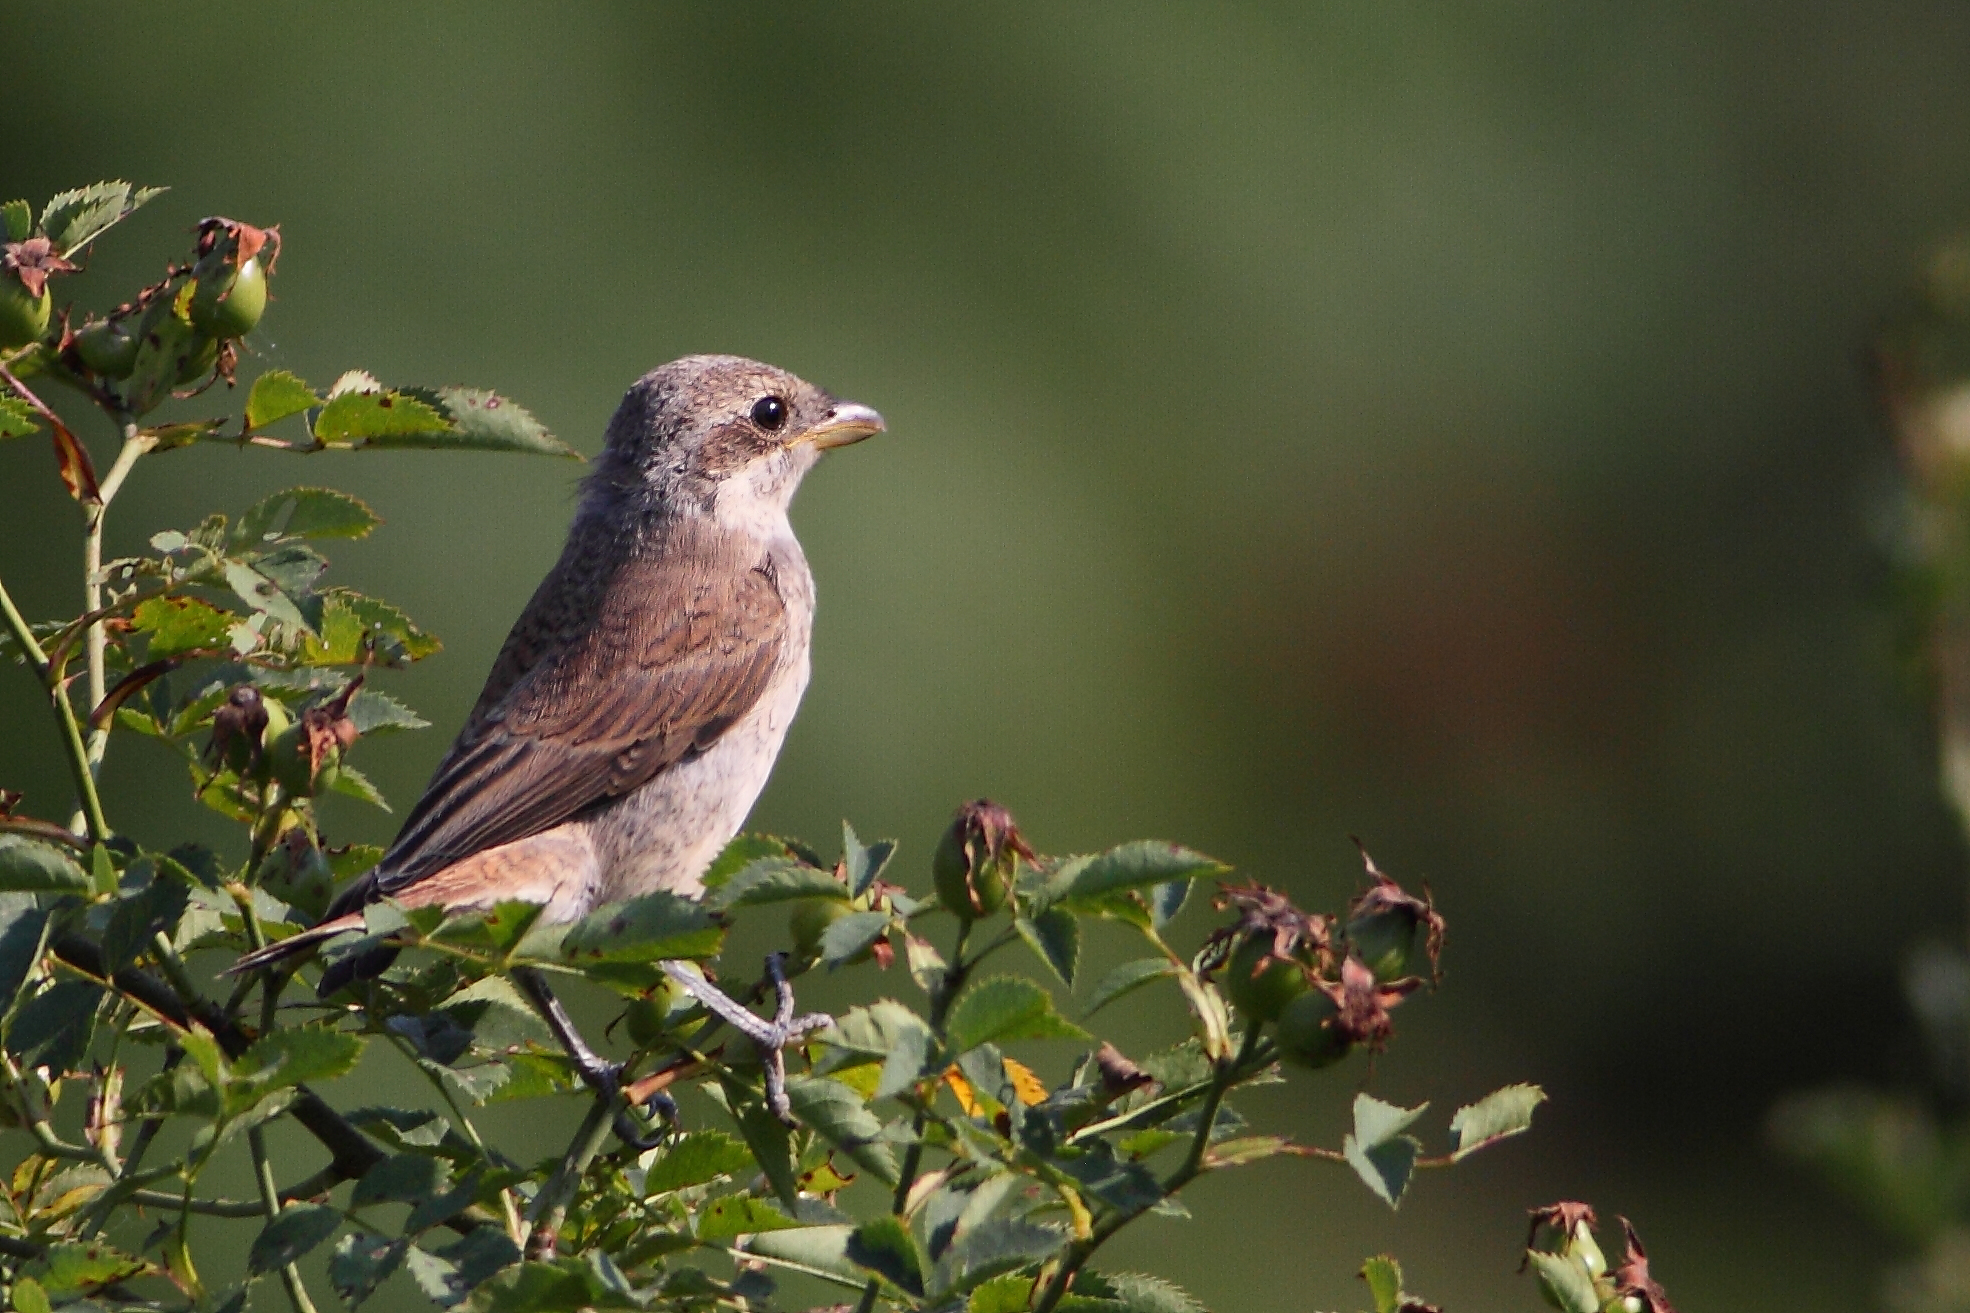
{"x": 771, "y": 1038}
{"x": 600, "y": 1075}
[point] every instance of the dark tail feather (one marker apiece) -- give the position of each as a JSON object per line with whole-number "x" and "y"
{"x": 294, "y": 945}
{"x": 345, "y": 972}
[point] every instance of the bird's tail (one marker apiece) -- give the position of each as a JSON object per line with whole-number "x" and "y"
{"x": 294, "y": 945}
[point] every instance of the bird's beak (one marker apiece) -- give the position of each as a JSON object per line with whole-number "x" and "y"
{"x": 844, "y": 423}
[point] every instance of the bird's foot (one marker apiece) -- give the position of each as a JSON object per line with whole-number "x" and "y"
{"x": 771, "y": 1038}
{"x": 600, "y": 1075}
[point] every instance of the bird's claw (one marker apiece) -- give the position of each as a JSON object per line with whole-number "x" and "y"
{"x": 771, "y": 1038}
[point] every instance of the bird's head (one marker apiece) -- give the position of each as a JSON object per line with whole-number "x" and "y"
{"x": 722, "y": 435}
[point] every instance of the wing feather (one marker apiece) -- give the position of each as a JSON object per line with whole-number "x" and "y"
{"x": 597, "y": 690}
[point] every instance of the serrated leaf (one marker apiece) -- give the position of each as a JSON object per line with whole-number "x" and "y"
{"x": 303, "y": 1053}
{"x": 73, "y": 219}
{"x": 477, "y": 1256}
{"x": 1086, "y": 883}
{"x": 181, "y": 624}
{"x": 21, "y": 924}
{"x": 304, "y": 513}
{"x": 849, "y": 935}
{"x": 30, "y": 866}
{"x": 1376, "y": 1122}
{"x": 1138, "y": 1293}
{"x": 1501, "y": 1113}
{"x": 1565, "y": 1282}
{"x": 362, "y": 1262}
{"x": 694, "y": 1159}
{"x": 298, "y": 1229}
{"x": 885, "y": 1246}
{"x": 402, "y": 1178}
{"x": 137, "y": 917}
{"x": 742, "y": 852}
{"x": 379, "y": 418}
{"x": 372, "y": 712}
{"x": 864, "y": 865}
{"x": 771, "y": 880}
{"x": 1007, "y": 1294}
{"x": 1126, "y": 979}
{"x": 277, "y": 394}
{"x": 17, "y": 217}
{"x": 654, "y": 927}
{"x": 485, "y": 421}
{"x": 992, "y": 1248}
{"x": 1006, "y": 1008}
{"x": 262, "y": 594}
{"x": 1055, "y": 938}
{"x": 741, "y": 1214}
{"x": 771, "y": 1146}
{"x": 54, "y": 1027}
{"x": 352, "y": 783}
{"x": 71, "y": 1269}
{"x": 1385, "y": 1167}
{"x": 1384, "y": 1277}
{"x": 350, "y": 620}
{"x": 836, "y": 1113}
{"x": 17, "y": 418}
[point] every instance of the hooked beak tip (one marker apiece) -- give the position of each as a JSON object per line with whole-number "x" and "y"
{"x": 845, "y": 422}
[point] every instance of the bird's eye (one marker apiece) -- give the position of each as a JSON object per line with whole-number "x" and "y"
{"x": 769, "y": 413}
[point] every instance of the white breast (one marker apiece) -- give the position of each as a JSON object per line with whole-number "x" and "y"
{"x": 664, "y": 835}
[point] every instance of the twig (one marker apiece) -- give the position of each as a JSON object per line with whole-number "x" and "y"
{"x": 550, "y": 1206}
{"x": 77, "y": 753}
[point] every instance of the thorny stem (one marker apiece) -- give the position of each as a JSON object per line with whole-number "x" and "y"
{"x": 940, "y": 1006}
{"x": 256, "y": 1139}
{"x": 1080, "y": 1251}
{"x": 95, "y": 645}
{"x": 550, "y": 1207}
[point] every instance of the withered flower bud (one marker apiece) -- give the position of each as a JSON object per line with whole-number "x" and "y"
{"x": 1269, "y": 954}
{"x": 1119, "y": 1076}
{"x": 1565, "y": 1227}
{"x": 975, "y": 860}
{"x": 34, "y": 262}
{"x": 1633, "y": 1282}
{"x": 1384, "y": 922}
{"x": 236, "y": 729}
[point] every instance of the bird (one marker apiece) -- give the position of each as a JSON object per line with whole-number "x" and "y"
{"x": 636, "y": 708}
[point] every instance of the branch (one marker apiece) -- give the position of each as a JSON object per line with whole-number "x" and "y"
{"x": 78, "y": 755}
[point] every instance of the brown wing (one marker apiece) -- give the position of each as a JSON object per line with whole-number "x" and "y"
{"x": 600, "y": 686}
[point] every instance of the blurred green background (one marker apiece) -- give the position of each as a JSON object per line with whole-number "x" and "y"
{"x": 1441, "y": 424}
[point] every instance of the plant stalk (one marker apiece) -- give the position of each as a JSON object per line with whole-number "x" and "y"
{"x": 90, "y": 805}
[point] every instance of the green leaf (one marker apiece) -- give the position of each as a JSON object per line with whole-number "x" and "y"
{"x": 277, "y": 394}
{"x": 102, "y": 871}
{"x": 17, "y": 418}
{"x": 1499, "y": 1114}
{"x": 263, "y": 594}
{"x": 885, "y": 1246}
{"x": 377, "y": 418}
{"x": 741, "y": 1214}
{"x": 54, "y": 1027}
{"x": 1085, "y": 883}
{"x": 182, "y": 624}
{"x": 298, "y": 1229}
{"x": 304, "y": 513}
{"x": 837, "y": 1115}
{"x": 1384, "y": 1277}
{"x": 362, "y": 1262}
{"x": 486, "y": 421}
{"x": 993, "y": 1248}
{"x": 352, "y": 783}
{"x": 776, "y": 880}
{"x": 379, "y": 713}
{"x": 654, "y": 927}
{"x": 1055, "y": 938}
{"x": 767, "y": 1138}
{"x": 73, "y": 219}
{"x": 742, "y": 852}
{"x": 30, "y": 866}
{"x": 349, "y": 620}
{"x": 1565, "y": 1282}
{"x": 29, "y": 1297}
{"x": 864, "y": 865}
{"x": 1006, "y": 1008}
{"x": 847, "y": 936}
{"x": 1126, "y": 979}
{"x": 137, "y": 917}
{"x": 402, "y": 1178}
{"x": 477, "y": 1256}
{"x": 304, "y": 1053}
{"x": 695, "y": 1159}
{"x": 1378, "y": 1151}
{"x": 1007, "y": 1294}
{"x": 70, "y": 1269}
{"x": 1140, "y": 1294}
{"x": 18, "y": 219}
{"x": 21, "y": 924}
